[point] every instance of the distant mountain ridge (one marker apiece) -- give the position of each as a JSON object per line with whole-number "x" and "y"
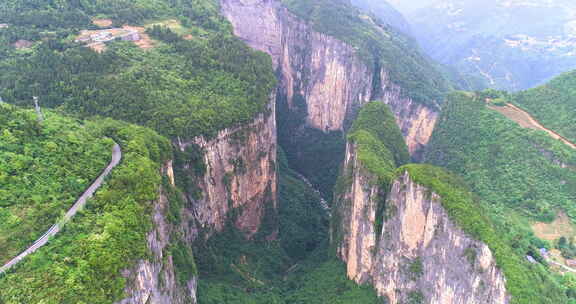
{"x": 513, "y": 44}
{"x": 386, "y": 12}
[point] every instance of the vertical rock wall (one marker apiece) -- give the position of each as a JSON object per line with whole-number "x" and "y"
{"x": 321, "y": 76}
{"x": 420, "y": 252}
{"x": 239, "y": 184}
{"x": 240, "y": 175}
{"x": 357, "y": 208}
{"x": 154, "y": 280}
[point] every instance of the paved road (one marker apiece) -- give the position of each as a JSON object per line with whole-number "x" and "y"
{"x": 80, "y": 203}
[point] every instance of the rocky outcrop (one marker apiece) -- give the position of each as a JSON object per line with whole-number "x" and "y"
{"x": 320, "y": 77}
{"x": 420, "y": 253}
{"x": 240, "y": 175}
{"x": 154, "y": 280}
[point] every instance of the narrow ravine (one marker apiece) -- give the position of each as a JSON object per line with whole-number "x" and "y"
{"x": 78, "y": 205}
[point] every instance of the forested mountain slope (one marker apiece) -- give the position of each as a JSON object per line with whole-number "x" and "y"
{"x": 520, "y": 175}
{"x": 385, "y": 12}
{"x": 88, "y": 256}
{"x": 553, "y": 104}
{"x": 44, "y": 167}
{"x": 405, "y": 230}
{"x": 180, "y": 87}
{"x": 185, "y": 76}
{"x": 330, "y": 59}
{"x": 211, "y": 94}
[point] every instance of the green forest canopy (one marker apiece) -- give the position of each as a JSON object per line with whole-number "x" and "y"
{"x": 84, "y": 263}
{"x": 515, "y": 172}
{"x": 44, "y": 167}
{"x": 181, "y": 88}
{"x": 553, "y": 104}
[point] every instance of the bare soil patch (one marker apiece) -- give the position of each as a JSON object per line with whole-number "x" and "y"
{"x": 525, "y": 120}
{"x": 561, "y": 226}
{"x": 145, "y": 41}
{"x": 98, "y": 47}
{"x": 22, "y": 44}
{"x": 520, "y": 117}
{"x": 102, "y": 22}
{"x": 86, "y": 36}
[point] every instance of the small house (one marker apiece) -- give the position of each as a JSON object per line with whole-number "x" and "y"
{"x": 22, "y": 44}
{"x": 83, "y": 39}
{"x": 571, "y": 263}
{"x": 102, "y": 37}
{"x": 132, "y": 36}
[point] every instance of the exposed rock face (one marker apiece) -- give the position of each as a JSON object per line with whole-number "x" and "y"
{"x": 415, "y": 120}
{"x": 320, "y": 75}
{"x": 420, "y": 252}
{"x": 240, "y": 174}
{"x": 358, "y": 208}
{"x": 153, "y": 280}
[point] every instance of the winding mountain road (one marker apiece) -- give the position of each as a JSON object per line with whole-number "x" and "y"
{"x": 78, "y": 205}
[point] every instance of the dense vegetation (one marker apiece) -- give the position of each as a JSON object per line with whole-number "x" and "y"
{"x": 83, "y": 264}
{"x": 553, "y": 104}
{"x": 181, "y": 88}
{"x": 71, "y": 14}
{"x": 44, "y": 167}
{"x": 378, "y": 44}
{"x": 196, "y": 80}
{"x": 379, "y": 143}
{"x": 508, "y": 166}
{"x": 377, "y": 120}
{"x": 516, "y": 172}
{"x": 527, "y": 283}
{"x": 303, "y": 224}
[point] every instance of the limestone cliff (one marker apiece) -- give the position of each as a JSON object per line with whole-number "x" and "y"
{"x": 357, "y": 206}
{"x": 154, "y": 280}
{"x": 421, "y": 250}
{"x": 239, "y": 183}
{"x": 321, "y": 77}
{"x": 240, "y": 175}
{"x": 420, "y": 253}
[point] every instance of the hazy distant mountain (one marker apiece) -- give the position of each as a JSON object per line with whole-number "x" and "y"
{"x": 513, "y": 44}
{"x": 385, "y": 12}
{"x": 407, "y": 6}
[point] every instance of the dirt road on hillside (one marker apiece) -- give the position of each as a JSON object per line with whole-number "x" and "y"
{"x": 525, "y": 120}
